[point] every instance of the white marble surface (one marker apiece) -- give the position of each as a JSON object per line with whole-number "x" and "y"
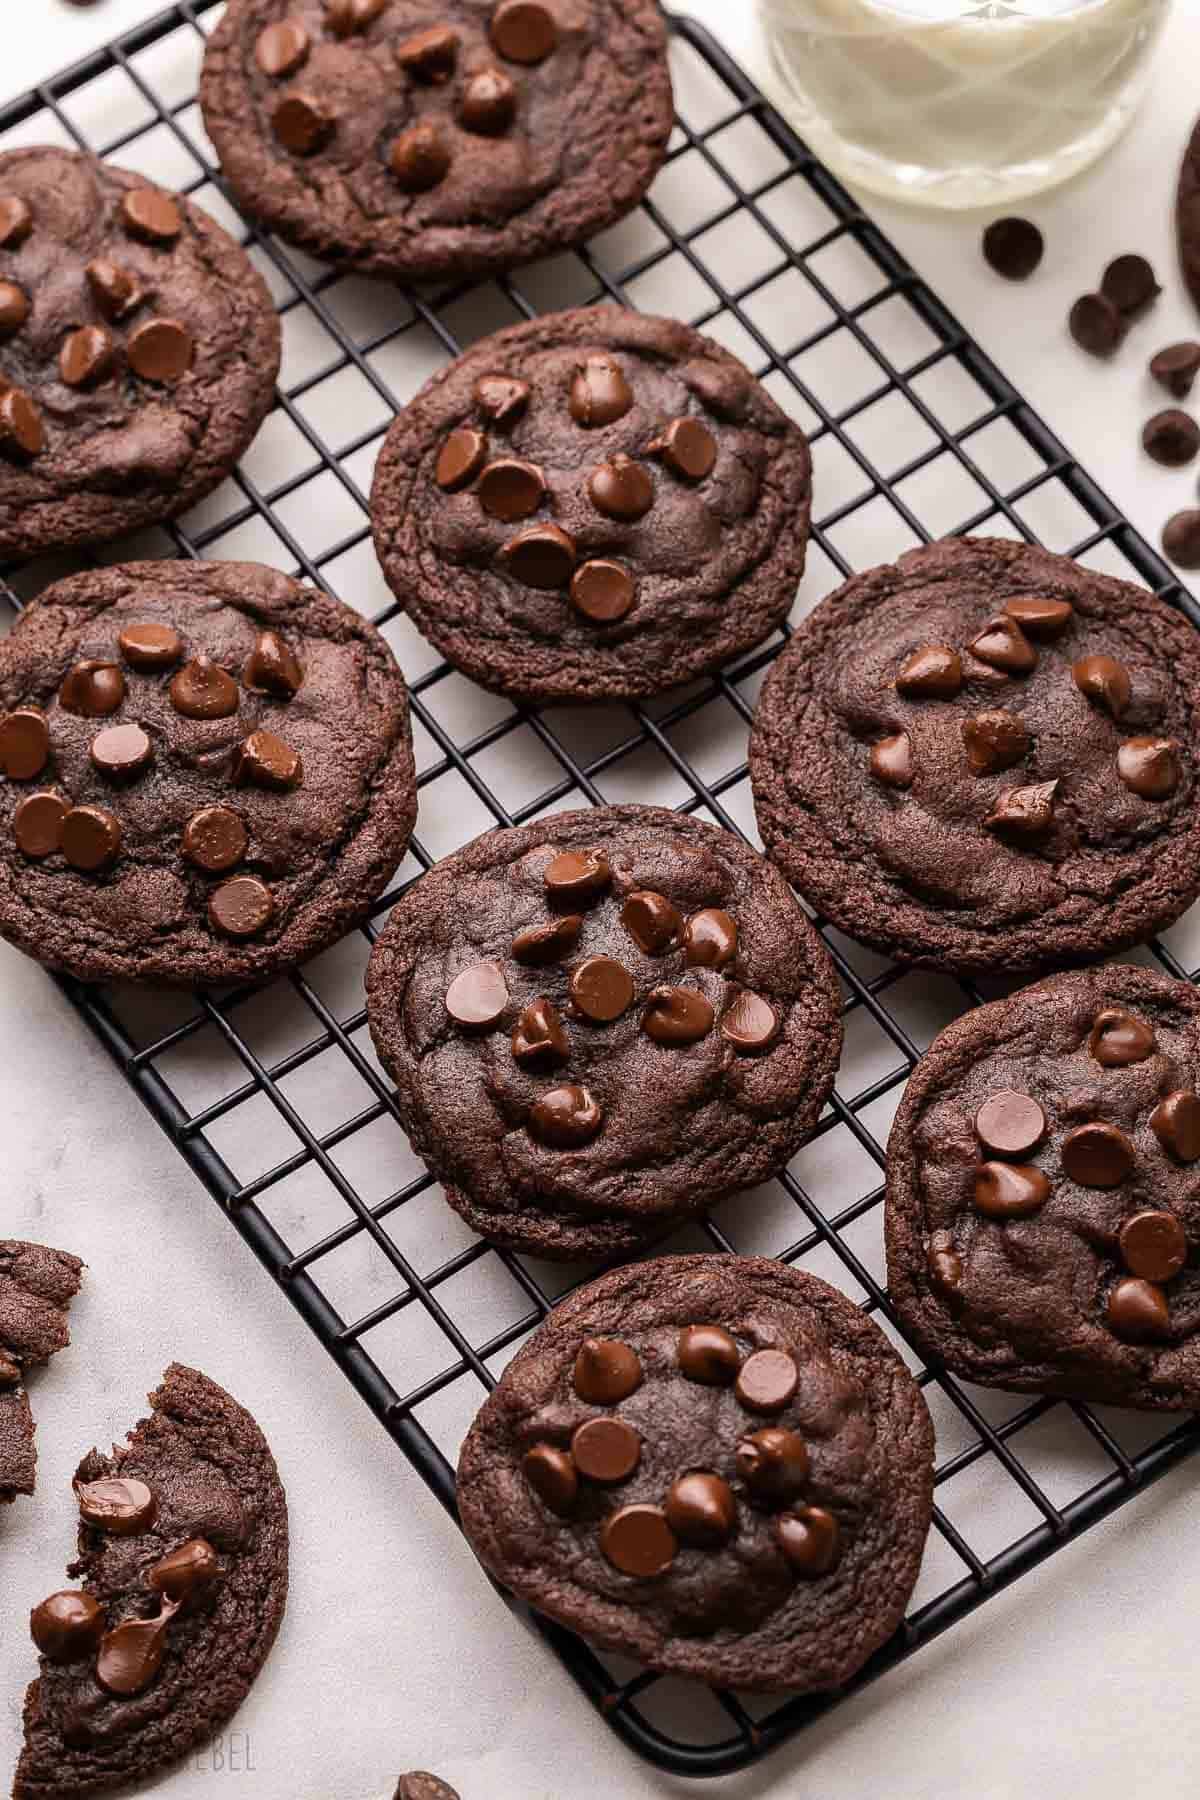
{"x": 395, "y": 1652}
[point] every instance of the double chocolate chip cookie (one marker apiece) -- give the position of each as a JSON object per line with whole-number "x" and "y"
{"x": 183, "y": 1565}
{"x": 138, "y": 352}
{"x": 206, "y": 773}
{"x": 419, "y": 1785}
{"x": 715, "y": 1464}
{"x": 601, "y": 1024}
{"x": 983, "y": 758}
{"x": 1043, "y": 1217}
{"x": 422, "y": 138}
{"x": 36, "y": 1288}
{"x": 593, "y": 505}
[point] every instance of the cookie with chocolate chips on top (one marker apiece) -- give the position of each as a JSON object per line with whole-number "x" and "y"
{"x": 593, "y": 505}
{"x": 601, "y": 1025}
{"x": 983, "y": 758}
{"x": 417, "y": 139}
{"x": 715, "y": 1464}
{"x": 37, "y": 1286}
{"x": 138, "y": 351}
{"x": 206, "y": 773}
{"x": 1043, "y": 1218}
{"x": 183, "y": 1573}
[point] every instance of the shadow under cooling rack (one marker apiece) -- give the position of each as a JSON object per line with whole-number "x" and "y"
{"x": 274, "y": 1096}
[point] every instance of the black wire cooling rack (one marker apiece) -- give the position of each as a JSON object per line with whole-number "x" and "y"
{"x": 274, "y": 1097}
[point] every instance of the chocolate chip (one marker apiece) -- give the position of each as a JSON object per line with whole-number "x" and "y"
{"x": 565, "y": 1117}
{"x": 1039, "y": 617}
{"x": 510, "y": 489}
{"x": 538, "y": 1034}
{"x": 944, "y": 1265}
{"x": 16, "y": 221}
{"x": 161, "y": 350}
{"x": 708, "y": 1354}
{"x": 1010, "y": 1123}
{"x": 1137, "y": 1310}
{"x": 577, "y": 874}
{"x": 551, "y": 1475}
{"x": 809, "y": 1539}
{"x": 651, "y": 921}
{"x": 344, "y": 17}
{"x": 22, "y": 433}
{"x": 121, "y": 751}
{"x": 241, "y": 908}
{"x": 151, "y": 215}
{"x": 767, "y": 1381}
{"x": 460, "y": 459}
{"x": 710, "y": 939}
{"x": 215, "y": 839}
{"x": 1171, "y": 437}
{"x": 1176, "y": 367}
{"x": 1154, "y": 1245}
{"x": 606, "y": 1450}
{"x": 281, "y": 48}
{"x": 489, "y": 103}
{"x": 773, "y": 1463}
{"x": 687, "y": 447}
{"x": 501, "y": 398}
{"x": 891, "y": 761}
{"x": 1149, "y": 766}
{"x": 751, "y": 1023}
{"x": 1119, "y": 1038}
{"x": 302, "y": 124}
{"x": 429, "y": 55}
{"x": 90, "y": 838}
{"x": 420, "y": 157}
{"x": 676, "y": 1015}
{"x": 523, "y": 31}
{"x": 701, "y": 1510}
{"x": 621, "y": 488}
{"x": 1130, "y": 284}
{"x": 478, "y": 996}
{"x": 1009, "y": 1190}
{"x": 1097, "y": 1155}
{"x": 1013, "y": 248}
{"x": 1104, "y": 680}
{"x": 638, "y": 1541}
{"x": 24, "y": 743}
{"x": 115, "y": 289}
{"x": 14, "y": 308}
{"x": 994, "y": 741}
{"x": 149, "y": 646}
{"x": 37, "y": 824}
{"x": 203, "y": 690}
{"x": 931, "y": 673}
{"x": 549, "y": 942}
{"x": 601, "y": 989}
{"x": 121, "y": 1505}
{"x": 264, "y": 760}
{"x": 67, "y": 1627}
{"x": 92, "y": 689}
{"x": 1025, "y": 813}
{"x": 606, "y": 1371}
{"x": 1096, "y": 325}
{"x": 131, "y": 1655}
{"x": 1175, "y": 1122}
{"x": 186, "y": 1572}
{"x": 272, "y": 667}
{"x": 542, "y": 557}
{"x": 602, "y": 591}
{"x": 1181, "y": 538}
{"x": 1003, "y": 645}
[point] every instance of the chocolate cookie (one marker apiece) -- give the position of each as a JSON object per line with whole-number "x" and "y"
{"x": 206, "y": 773}
{"x": 592, "y": 505}
{"x": 138, "y": 352}
{"x": 983, "y": 759}
{"x": 1187, "y": 215}
{"x": 183, "y": 1561}
{"x": 602, "y": 1024}
{"x": 715, "y": 1464}
{"x": 417, "y": 1785}
{"x": 423, "y": 138}
{"x": 36, "y": 1288}
{"x": 1043, "y": 1216}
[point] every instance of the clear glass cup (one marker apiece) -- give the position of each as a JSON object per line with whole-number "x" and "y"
{"x": 958, "y": 103}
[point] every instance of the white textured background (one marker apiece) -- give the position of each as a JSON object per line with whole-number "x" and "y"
{"x": 395, "y": 1652}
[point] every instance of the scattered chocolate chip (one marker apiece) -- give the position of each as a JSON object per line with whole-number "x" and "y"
{"x": 115, "y": 289}
{"x": 1130, "y": 284}
{"x": 131, "y": 1655}
{"x": 994, "y": 741}
{"x": 67, "y": 1627}
{"x": 16, "y": 221}
{"x": 551, "y": 1475}
{"x": 773, "y": 1463}
{"x": 523, "y": 31}
{"x": 1175, "y": 1122}
{"x": 161, "y": 350}
{"x": 542, "y": 557}
{"x": 1153, "y": 1244}
{"x": 1024, "y": 813}
{"x": 151, "y": 215}
{"x": 1096, "y": 325}
{"x": 420, "y": 157}
{"x": 149, "y": 646}
{"x": 606, "y": 1371}
{"x": 282, "y": 48}
{"x": 1149, "y": 766}
{"x": 767, "y": 1380}
{"x": 710, "y": 939}
{"x": 22, "y": 433}
{"x": 429, "y": 55}
{"x": 708, "y": 1354}
{"x": 565, "y": 1117}
{"x": 24, "y": 743}
{"x": 1137, "y": 1310}
{"x": 242, "y": 907}
{"x": 92, "y": 689}
{"x": 510, "y": 489}
{"x": 1013, "y": 248}
{"x": 90, "y": 838}
{"x": 272, "y": 667}
{"x": 549, "y": 942}
{"x": 215, "y": 839}
{"x": 701, "y": 1510}
{"x": 1119, "y": 1038}
{"x": 651, "y": 921}
{"x": 1010, "y": 1123}
{"x": 638, "y": 1541}
{"x": 1171, "y": 437}
{"x": 302, "y": 124}
{"x": 601, "y": 989}
{"x": 37, "y": 824}
{"x": 121, "y": 1505}
{"x": 931, "y": 673}
{"x": 489, "y": 103}
{"x": 602, "y": 591}
{"x": 121, "y": 752}
{"x": 621, "y": 488}
{"x": 891, "y": 761}
{"x": 599, "y": 393}
{"x": 687, "y": 447}
{"x": 1009, "y": 1190}
{"x": 1104, "y": 680}
{"x": 478, "y": 996}
{"x": 945, "y": 1267}
{"x": 675, "y": 1015}
{"x": 1097, "y": 1155}
{"x": 606, "y": 1449}
{"x": 203, "y": 690}
{"x": 751, "y": 1023}
{"x": 1181, "y": 538}
{"x": 186, "y": 1572}
{"x": 344, "y": 17}
{"x": 1039, "y": 617}
{"x": 1176, "y": 367}
{"x": 809, "y": 1539}
{"x": 1003, "y": 645}
{"x": 460, "y": 459}
{"x": 501, "y": 398}
{"x": 538, "y": 1034}
{"x": 577, "y": 874}
{"x": 264, "y": 760}
{"x": 14, "y": 308}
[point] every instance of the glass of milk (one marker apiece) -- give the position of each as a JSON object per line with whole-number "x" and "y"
{"x": 961, "y": 102}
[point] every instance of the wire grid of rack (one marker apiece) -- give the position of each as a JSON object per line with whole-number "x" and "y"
{"x": 274, "y": 1096}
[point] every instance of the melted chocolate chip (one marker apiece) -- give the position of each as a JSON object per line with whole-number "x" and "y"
{"x": 676, "y": 1015}
{"x": 621, "y": 488}
{"x": 121, "y": 1505}
{"x": 767, "y": 1381}
{"x": 115, "y": 289}
{"x": 701, "y": 1510}
{"x": 751, "y": 1023}
{"x": 272, "y": 667}
{"x": 708, "y": 1354}
{"x": 1010, "y": 1123}
{"x": 151, "y": 215}
{"x": 121, "y": 752}
{"x": 606, "y": 1450}
{"x": 944, "y": 1265}
{"x": 551, "y": 1474}
{"x": 92, "y": 689}
{"x": 652, "y": 922}
{"x": 345, "y": 17}
{"x": 215, "y": 839}
{"x": 994, "y": 741}
{"x": 24, "y": 743}
{"x": 600, "y": 394}
{"x": 601, "y": 989}
{"x": 460, "y": 459}
{"x": 549, "y": 942}
{"x": 150, "y": 647}
{"x": 87, "y": 356}
{"x": 602, "y": 591}
{"x": 538, "y": 1034}
{"x": 773, "y": 1463}
{"x": 241, "y": 908}
{"x": 161, "y": 350}
{"x": 1040, "y": 617}
{"x": 264, "y": 760}
{"x": 542, "y": 557}
{"x": 523, "y": 31}
{"x": 687, "y": 447}
{"x": 606, "y": 1371}
{"x": 1175, "y": 1122}
{"x": 1009, "y": 1190}
{"x": 1003, "y": 645}
{"x": 1097, "y": 1155}
{"x": 38, "y": 823}
{"x": 478, "y": 996}
{"x": 510, "y": 489}
{"x": 502, "y": 398}
{"x": 931, "y": 673}
{"x": 282, "y": 48}
{"x": 14, "y": 308}
{"x": 566, "y": 1117}
{"x": 1149, "y": 766}
{"x": 185, "y": 1573}
{"x": 1153, "y": 1244}
{"x": 90, "y": 838}
{"x": 489, "y": 103}
{"x": 1024, "y": 813}
{"x": 131, "y": 1655}
{"x": 891, "y": 760}
{"x": 577, "y": 875}
{"x": 420, "y": 157}
{"x": 302, "y": 124}
{"x": 1137, "y": 1310}
{"x": 1119, "y": 1038}
{"x": 809, "y": 1539}
{"x": 22, "y": 433}
{"x": 429, "y": 55}
{"x": 638, "y": 1540}
{"x": 710, "y": 939}
{"x": 16, "y": 221}
{"x": 1104, "y": 680}
{"x": 67, "y": 1627}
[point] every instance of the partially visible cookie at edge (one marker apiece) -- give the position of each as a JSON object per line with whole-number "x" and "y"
{"x": 37, "y": 1286}
{"x": 1187, "y": 215}
{"x": 418, "y": 1784}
